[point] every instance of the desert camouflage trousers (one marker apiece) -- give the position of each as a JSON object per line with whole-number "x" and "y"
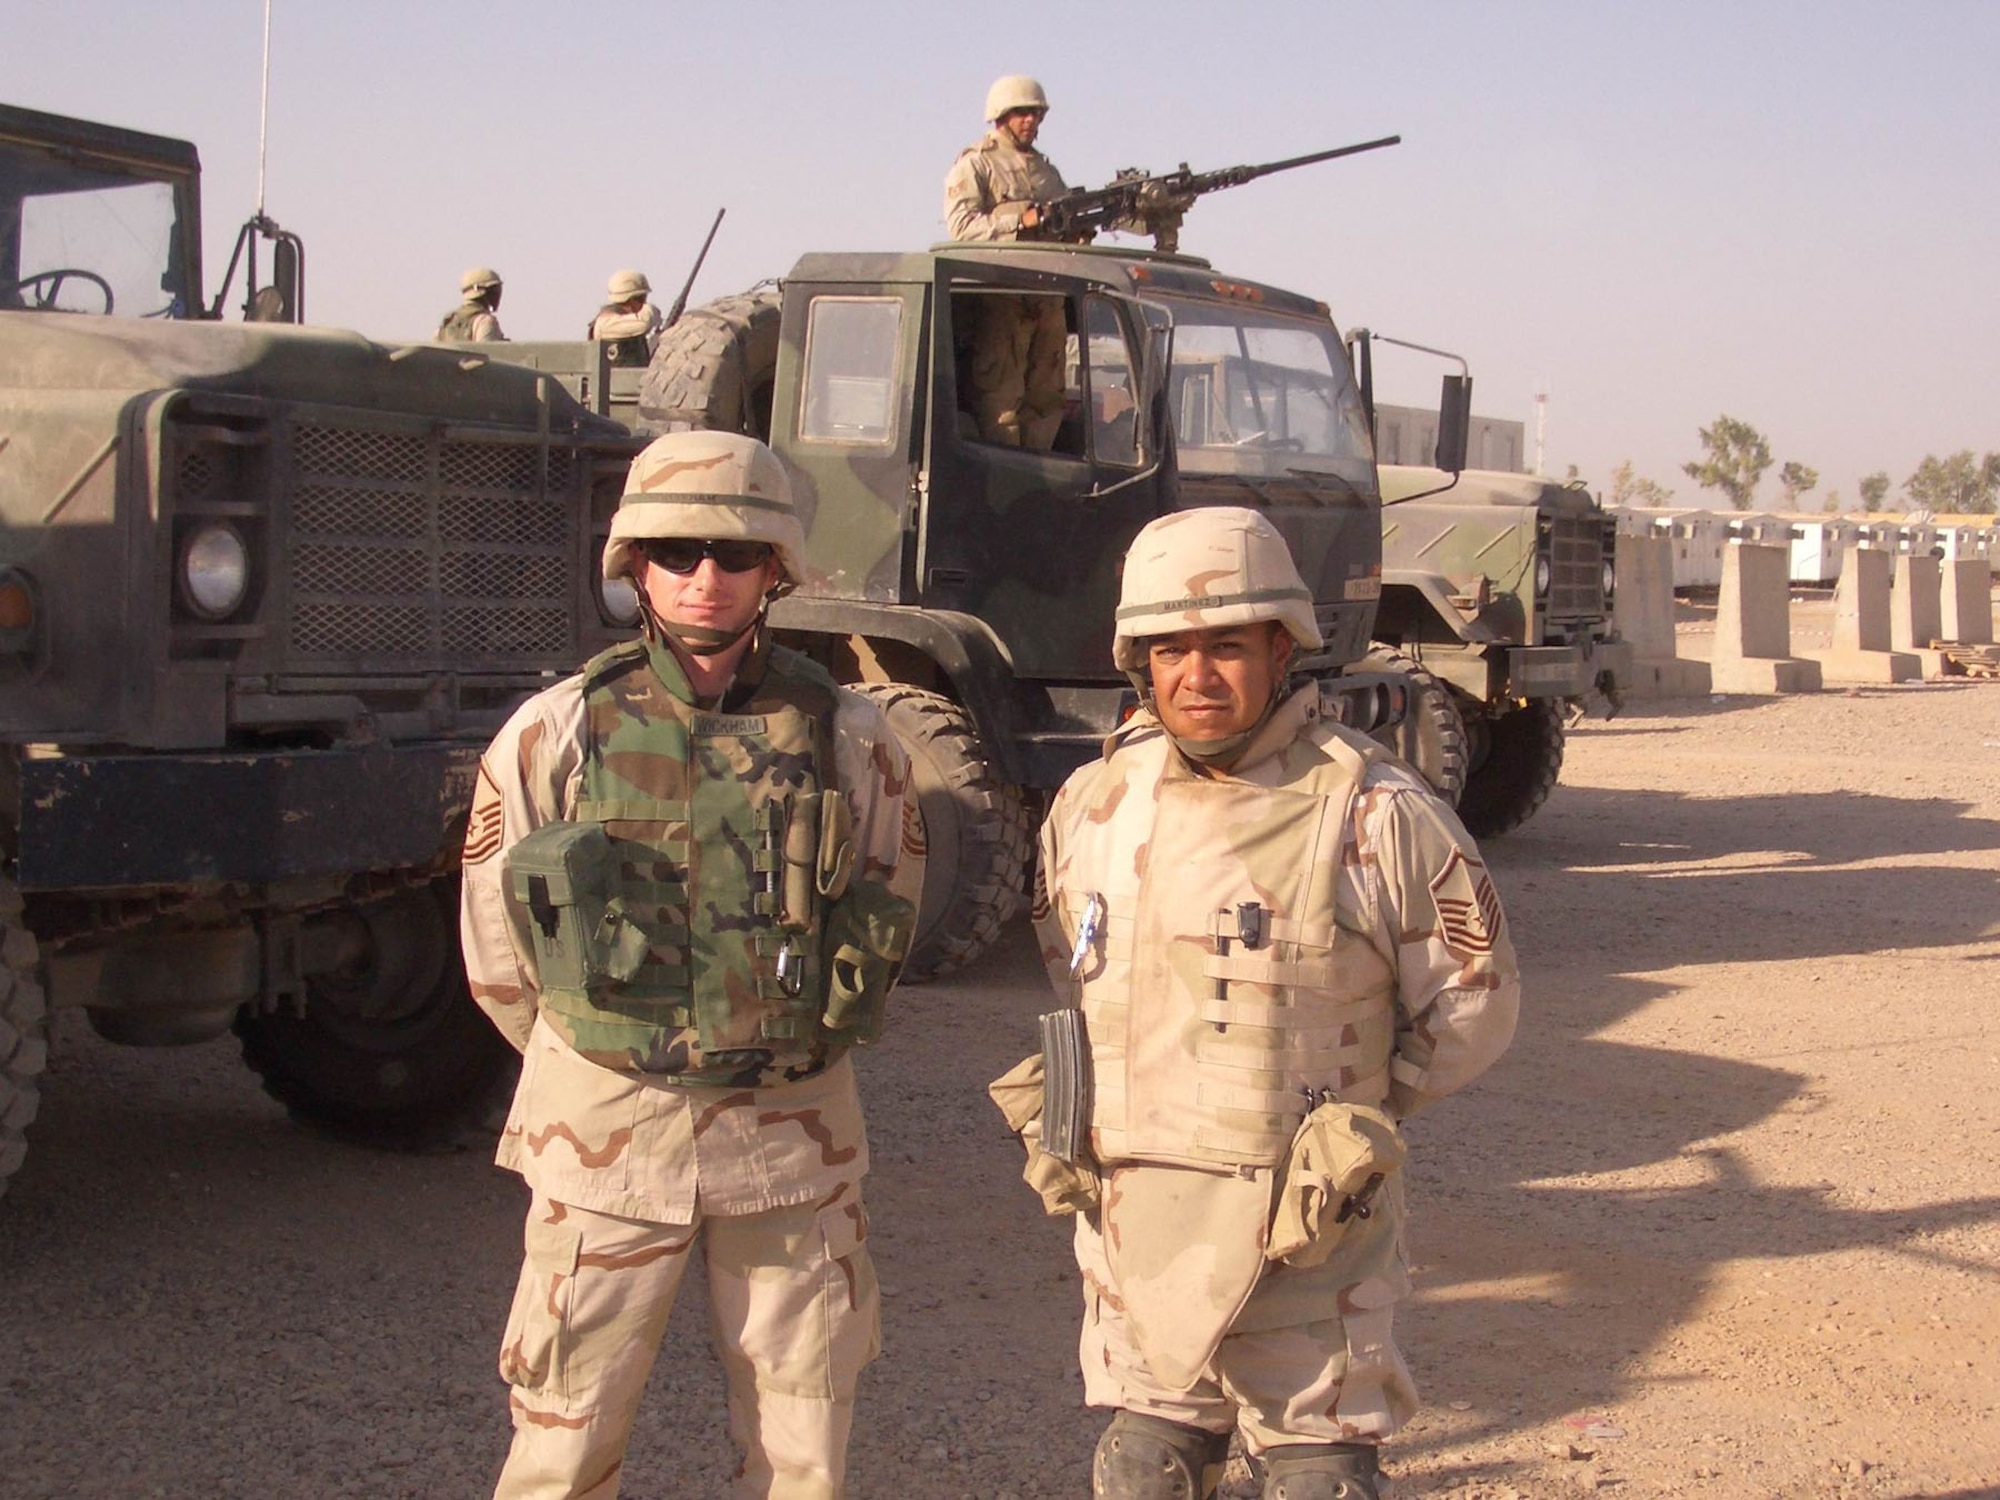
{"x": 1018, "y": 346}
{"x": 796, "y": 1318}
{"x": 1309, "y": 1359}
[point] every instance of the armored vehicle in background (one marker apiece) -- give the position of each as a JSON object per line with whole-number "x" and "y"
{"x": 1501, "y": 586}
{"x": 968, "y": 585}
{"x": 265, "y": 592}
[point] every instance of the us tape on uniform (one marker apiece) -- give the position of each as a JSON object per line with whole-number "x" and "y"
{"x": 1066, "y": 1053}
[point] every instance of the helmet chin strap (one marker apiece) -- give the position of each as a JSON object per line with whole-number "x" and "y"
{"x": 690, "y": 641}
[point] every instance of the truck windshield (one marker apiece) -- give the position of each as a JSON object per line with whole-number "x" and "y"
{"x": 88, "y": 238}
{"x": 1260, "y": 393}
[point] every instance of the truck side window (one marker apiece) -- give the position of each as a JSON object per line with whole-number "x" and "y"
{"x": 853, "y": 345}
{"x": 1015, "y": 358}
{"x": 1114, "y": 404}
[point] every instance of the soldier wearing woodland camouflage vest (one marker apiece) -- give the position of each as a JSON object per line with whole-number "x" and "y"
{"x": 473, "y": 321}
{"x": 1280, "y": 943}
{"x": 690, "y": 877}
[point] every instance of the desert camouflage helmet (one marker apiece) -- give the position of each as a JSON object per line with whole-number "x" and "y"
{"x": 716, "y": 486}
{"x": 628, "y": 284}
{"x": 479, "y": 279}
{"x": 1015, "y": 91}
{"x": 1211, "y": 566}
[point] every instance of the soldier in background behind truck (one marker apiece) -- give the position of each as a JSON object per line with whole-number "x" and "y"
{"x": 1281, "y": 943}
{"x": 1015, "y": 343}
{"x": 473, "y": 320}
{"x": 628, "y": 322}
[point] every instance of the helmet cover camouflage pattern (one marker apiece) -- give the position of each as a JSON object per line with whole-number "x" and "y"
{"x": 479, "y": 279}
{"x": 1015, "y": 91}
{"x": 625, "y": 285}
{"x": 713, "y": 486}
{"x": 1201, "y": 569}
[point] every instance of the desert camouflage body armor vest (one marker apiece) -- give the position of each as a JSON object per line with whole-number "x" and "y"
{"x": 695, "y": 915}
{"x": 1231, "y": 990}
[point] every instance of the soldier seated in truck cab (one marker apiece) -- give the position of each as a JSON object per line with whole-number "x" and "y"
{"x": 1102, "y": 426}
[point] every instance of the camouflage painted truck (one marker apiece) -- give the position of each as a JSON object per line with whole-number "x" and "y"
{"x": 1501, "y": 585}
{"x": 264, "y": 593}
{"x": 968, "y": 586}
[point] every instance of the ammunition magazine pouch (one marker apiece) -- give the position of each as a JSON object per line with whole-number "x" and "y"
{"x": 584, "y": 939}
{"x": 867, "y": 933}
{"x": 1064, "y": 1187}
{"x": 1340, "y": 1164}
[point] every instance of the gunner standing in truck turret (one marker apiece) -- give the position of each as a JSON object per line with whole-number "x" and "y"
{"x": 1016, "y": 343}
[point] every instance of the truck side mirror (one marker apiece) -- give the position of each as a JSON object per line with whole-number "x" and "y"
{"x": 1454, "y": 423}
{"x": 287, "y": 274}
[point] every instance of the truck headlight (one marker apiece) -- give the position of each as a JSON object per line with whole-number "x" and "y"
{"x": 19, "y": 612}
{"x": 1545, "y": 577}
{"x": 620, "y": 601}
{"x": 1610, "y": 577}
{"x": 215, "y": 571}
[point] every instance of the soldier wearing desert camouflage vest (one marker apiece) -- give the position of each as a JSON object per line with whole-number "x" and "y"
{"x": 690, "y": 877}
{"x": 1281, "y": 944}
{"x": 475, "y": 320}
{"x": 1016, "y": 342}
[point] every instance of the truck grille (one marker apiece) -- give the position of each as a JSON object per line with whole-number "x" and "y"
{"x": 405, "y": 545}
{"x": 1577, "y": 550}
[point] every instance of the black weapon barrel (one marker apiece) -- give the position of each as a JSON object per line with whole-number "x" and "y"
{"x": 1265, "y": 169}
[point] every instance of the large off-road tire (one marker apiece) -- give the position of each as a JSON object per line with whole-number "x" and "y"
{"x": 716, "y": 369}
{"x": 24, "y": 1032}
{"x": 1518, "y": 756}
{"x": 977, "y": 831}
{"x": 1432, "y": 739}
{"x": 391, "y": 1052}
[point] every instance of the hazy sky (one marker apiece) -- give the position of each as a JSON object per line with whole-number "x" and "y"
{"x": 1657, "y": 213}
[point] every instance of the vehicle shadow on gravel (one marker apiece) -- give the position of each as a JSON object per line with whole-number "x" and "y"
{"x": 1536, "y": 1282}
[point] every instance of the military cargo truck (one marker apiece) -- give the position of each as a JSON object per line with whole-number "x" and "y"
{"x": 265, "y": 592}
{"x": 969, "y": 585}
{"x": 1501, "y": 585}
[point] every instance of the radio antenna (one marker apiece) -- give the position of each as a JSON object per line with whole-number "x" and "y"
{"x": 264, "y": 110}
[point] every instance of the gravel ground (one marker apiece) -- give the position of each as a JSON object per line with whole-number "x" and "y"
{"x": 1725, "y": 1223}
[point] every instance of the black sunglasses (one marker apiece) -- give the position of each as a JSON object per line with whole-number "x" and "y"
{"x": 682, "y": 555}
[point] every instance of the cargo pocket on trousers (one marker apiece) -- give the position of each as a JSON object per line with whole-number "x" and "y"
{"x": 533, "y": 1348}
{"x": 853, "y": 1301}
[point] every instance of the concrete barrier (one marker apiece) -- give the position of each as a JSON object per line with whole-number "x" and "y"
{"x": 1966, "y": 603}
{"x": 1642, "y": 606}
{"x": 1915, "y": 614}
{"x": 1753, "y": 625}
{"x": 1862, "y": 641}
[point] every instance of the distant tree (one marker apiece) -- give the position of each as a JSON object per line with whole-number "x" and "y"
{"x": 1797, "y": 479}
{"x": 1737, "y": 459}
{"x": 1957, "y": 483}
{"x": 1831, "y": 504}
{"x": 1874, "y": 490}
{"x": 1629, "y": 487}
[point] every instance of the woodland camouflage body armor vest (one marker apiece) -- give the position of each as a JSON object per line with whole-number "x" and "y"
{"x": 457, "y": 324}
{"x": 695, "y": 916}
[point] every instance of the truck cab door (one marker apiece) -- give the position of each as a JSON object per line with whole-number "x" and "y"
{"x": 1026, "y": 521}
{"x": 846, "y": 420}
